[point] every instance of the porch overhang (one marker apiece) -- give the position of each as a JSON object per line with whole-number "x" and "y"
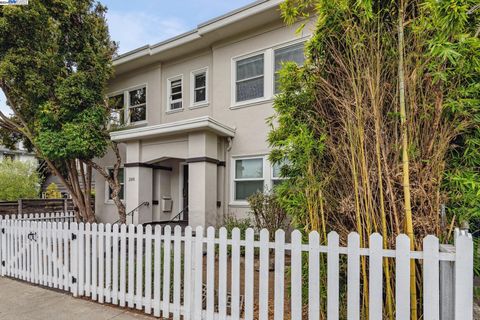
{"x": 205, "y": 123}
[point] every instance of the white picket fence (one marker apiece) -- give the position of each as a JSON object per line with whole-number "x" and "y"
{"x": 68, "y": 216}
{"x": 212, "y": 276}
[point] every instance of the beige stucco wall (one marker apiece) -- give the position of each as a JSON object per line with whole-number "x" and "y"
{"x": 249, "y": 120}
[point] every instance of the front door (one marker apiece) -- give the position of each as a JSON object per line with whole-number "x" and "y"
{"x": 185, "y": 192}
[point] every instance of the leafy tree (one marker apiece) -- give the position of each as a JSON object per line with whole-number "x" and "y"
{"x": 53, "y": 192}
{"x": 18, "y": 180}
{"x": 55, "y": 61}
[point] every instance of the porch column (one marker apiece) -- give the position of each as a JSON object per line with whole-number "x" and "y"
{"x": 138, "y": 186}
{"x": 202, "y": 184}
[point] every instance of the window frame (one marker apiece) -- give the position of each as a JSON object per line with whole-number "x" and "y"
{"x": 109, "y": 200}
{"x": 126, "y": 103}
{"x": 193, "y": 74}
{"x": 234, "y": 179}
{"x": 169, "y": 94}
{"x": 129, "y": 107}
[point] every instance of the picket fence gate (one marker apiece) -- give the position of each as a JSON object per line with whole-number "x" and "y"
{"x": 196, "y": 276}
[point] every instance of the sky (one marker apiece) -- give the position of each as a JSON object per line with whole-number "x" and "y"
{"x": 136, "y": 23}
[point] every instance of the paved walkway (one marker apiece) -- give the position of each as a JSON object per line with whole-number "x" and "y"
{"x": 22, "y": 301}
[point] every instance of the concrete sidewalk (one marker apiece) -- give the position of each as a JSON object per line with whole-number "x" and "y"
{"x": 22, "y": 301}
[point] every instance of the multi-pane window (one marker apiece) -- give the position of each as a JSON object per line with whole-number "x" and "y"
{"x": 175, "y": 95}
{"x": 117, "y": 107}
{"x": 121, "y": 180}
{"x": 137, "y": 107}
{"x": 248, "y": 178}
{"x": 249, "y": 82}
{"x": 200, "y": 87}
{"x": 294, "y": 53}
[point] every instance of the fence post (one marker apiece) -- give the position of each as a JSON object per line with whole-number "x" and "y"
{"x": 65, "y": 206}
{"x": 464, "y": 277}
{"x": 447, "y": 281}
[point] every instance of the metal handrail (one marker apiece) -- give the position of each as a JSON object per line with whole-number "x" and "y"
{"x": 145, "y": 203}
{"x": 178, "y": 215}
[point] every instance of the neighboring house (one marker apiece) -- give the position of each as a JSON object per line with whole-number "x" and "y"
{"x": 194, "y": 112}
{"x": 19, "y": 153}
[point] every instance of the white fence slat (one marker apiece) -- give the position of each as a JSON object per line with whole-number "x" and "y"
{"x": 431, "y": 274}
{"x": 101, "y": 263}
{"x": 55, "y": 254}
{"x": 333, "y": 276}
{"x": 48, "y": 252}
{"x": 376, "y": 277}
{"x": 148, "y": 269}
{"x": 158, "y": 270}
{"x": 463, "y": 278}
{"x": 108, "y": 263}
{"x": 249, "y": 273}
{"x": 263, "y": 275}
{"x": 3, "y": 256}
{"x": 122, "y": 294}
{"x": 296, "y": 283}
{"x": 167, "y": 253}
{"x": 177, "y": 271}
{"x": 402, "y": 277}
{"x": 66, "y": 257}
{"x": 353, "y": 276}
{"x": 139, "y": 269}
{"x": 235, "y": 297}
{"x": 187, "y": 274}
{"x": 314, "y": 276}
{"x": 279, "y": 285}
{"x": 198, "y": 273}
{"x": 74, "y": 261}
{"x": 88, "y": 259}
{"x": 222, "y": 273}
{"x": 115, "y": 263}
{"x": 82, "y": 258}
{"x": 210, "y": 272}
{"x": 45, "y": 255}
{"x": 94, "y": 287}
{"x": 131, "y": 266}
{"x": 37, "y": 255}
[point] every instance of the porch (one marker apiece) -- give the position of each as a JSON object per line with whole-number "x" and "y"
{"x": 177, "y": 170}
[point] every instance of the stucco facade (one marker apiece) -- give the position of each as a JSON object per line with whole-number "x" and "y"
{"x": 201, "y": 142}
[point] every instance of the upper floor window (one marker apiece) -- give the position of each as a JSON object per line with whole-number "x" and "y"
{"x": 175, "y": 99}
{"x": 293, "y": 53}
{"x": 249, "y": 80}
{"x": 117, "y": 107}
{"x": 199, "y": 84}
{"x": 137, "y": 107}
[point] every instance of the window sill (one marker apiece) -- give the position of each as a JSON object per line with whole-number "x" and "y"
{"x": 110, "y": 202}
{"x": 199, "y": 105}
{"x": 250, "y": 103}
{"x": 174, "y": 111}
{"x": 239, "y": 204}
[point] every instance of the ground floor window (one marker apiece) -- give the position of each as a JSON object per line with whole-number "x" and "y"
{"x": 121, "y": 179}
{"x": 254, "y": 174}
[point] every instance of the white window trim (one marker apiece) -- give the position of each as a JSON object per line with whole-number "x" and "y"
{"x": 267, "y": 94}
{"x": 200, "y": 104}
{"x": 267, "y": 176}
{"x": 126, "y": 103}
{"x": 107, "y": 187}
{"x": 169, "y": 93}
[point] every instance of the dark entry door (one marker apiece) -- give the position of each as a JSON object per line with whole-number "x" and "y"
{"x": 185, "y": 192}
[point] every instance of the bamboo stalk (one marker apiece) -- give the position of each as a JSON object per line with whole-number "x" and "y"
{"x": 405, "y": 158}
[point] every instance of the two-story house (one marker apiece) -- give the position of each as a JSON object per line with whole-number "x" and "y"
{"x": 194, "y": 111}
